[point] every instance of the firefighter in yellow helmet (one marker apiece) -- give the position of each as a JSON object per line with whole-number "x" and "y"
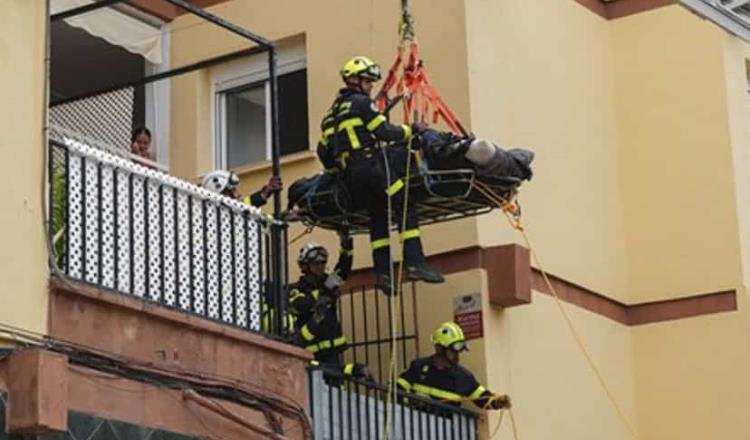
{"x": 351, "y": 131}
{"x": 442, "y": 378}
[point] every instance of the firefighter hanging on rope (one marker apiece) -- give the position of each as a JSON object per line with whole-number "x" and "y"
{"x": 351, "y": 131}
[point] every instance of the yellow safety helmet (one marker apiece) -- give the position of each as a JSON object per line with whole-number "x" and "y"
{"x": 361, "y": 67}
{"x": 450, "y": 335}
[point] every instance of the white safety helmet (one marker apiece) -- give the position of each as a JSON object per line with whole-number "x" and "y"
{"x": 220, "y": 181}
{"x": 312, "y": 252}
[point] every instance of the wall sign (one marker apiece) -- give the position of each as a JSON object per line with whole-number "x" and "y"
{"x": 467, "y": 312}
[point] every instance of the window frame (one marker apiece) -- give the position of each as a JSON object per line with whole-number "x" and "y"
{"x": 246, "y": 75}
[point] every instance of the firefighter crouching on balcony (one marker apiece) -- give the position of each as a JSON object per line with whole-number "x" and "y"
{"x": 442, "y": 378}
{"x": 226, "y": 182}
{"x": 313, "y": 303}
{"x": 348, "y": 145}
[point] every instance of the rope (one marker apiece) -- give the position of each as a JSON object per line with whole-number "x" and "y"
{"x": 307, "y": 230}
{"x": 513, "y": 426}
{"x": 512, "y": 214}
{"x": 395, "y": 306}
{"x": 406, "y": 26}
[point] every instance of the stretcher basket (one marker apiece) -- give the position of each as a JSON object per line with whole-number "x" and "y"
{"x": 440, "y": 196}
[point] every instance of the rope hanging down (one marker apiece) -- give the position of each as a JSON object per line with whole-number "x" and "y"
{"x": 513, "y": 215}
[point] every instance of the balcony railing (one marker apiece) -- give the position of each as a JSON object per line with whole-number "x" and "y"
{"x": 134, "y": 230}
{"x": 367, "y": 320}
{"x": 345, "y": 408}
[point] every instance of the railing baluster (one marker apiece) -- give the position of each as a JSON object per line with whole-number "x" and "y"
{"x": 84, "y": 266}
{"x": 131, "y": 234}
{"x": 248, "y": 296}
{"x": 191, "y": 272}
{"x": 146, "y": 247}
{"x": 204, "y": 226}
{"x": 116, "y": 225}
{"x": 162, "y": 294}
{"x": 330, "y": 409}
{"x": 341, "y": 409}
{"x": 219, "y": 265}
{"x": 99, "y": 232}
{"x": 367, "y": 412}
{"x": 67, "y": 211}
{"x": 377, "y": 401}
{"x": 235, "y": 319}
{"x": 353, "y": 324}
{"x": 51, "y": 201}
{"x": 176, "y": 250}
{"x": 377, "y": 328}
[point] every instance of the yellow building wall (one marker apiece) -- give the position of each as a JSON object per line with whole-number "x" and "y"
{"x": 676, "y": 155}
{"x": 691, "y": 377}
{"x": 639, "y": 191}
{"x": 532, "y": 356}
{"x": 23, "y": 254}
{"x": 541, "y": 77}
{"x": 691, "y": 374}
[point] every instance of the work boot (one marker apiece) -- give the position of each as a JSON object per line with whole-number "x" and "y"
{"x": 422, "y": 272}
{"x": 383, "y": 282}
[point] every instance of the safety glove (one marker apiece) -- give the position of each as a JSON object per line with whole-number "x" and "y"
{"x": 500, "y": 401}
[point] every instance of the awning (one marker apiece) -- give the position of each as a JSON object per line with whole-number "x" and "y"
{"x": 116, "y": 28}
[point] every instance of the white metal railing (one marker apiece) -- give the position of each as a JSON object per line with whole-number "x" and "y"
{"x": 135, "y": 230}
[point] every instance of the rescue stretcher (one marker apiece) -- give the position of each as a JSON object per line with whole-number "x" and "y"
{"x": 439, "y": 195}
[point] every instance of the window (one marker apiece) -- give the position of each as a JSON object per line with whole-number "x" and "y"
{"x": 243, "y": 117}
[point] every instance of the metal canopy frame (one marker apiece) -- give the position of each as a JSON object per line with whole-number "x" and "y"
{"x": 264, "y": 45}
{"x": 279, "y": 270}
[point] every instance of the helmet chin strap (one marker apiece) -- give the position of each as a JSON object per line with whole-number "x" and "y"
{"x": 355, "y": 85}
{"x": 441, "y": 354}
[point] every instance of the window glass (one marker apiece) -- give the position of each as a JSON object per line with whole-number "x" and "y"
{"x": 246, "y": 125}
{"x": 246, "y": 118}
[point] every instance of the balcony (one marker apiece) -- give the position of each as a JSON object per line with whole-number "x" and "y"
{"x": 344, "y": 408}
{"x": 133, "y": 230}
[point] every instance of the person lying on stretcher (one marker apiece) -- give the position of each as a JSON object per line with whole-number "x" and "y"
{"x": 446, "y": 151}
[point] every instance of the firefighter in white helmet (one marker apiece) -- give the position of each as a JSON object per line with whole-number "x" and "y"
{"x": 225, "y": 183}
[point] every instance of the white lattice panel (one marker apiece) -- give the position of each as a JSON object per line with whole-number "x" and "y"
{"x": 184, "y": 238}
{"x": 154, "y": 241}
{"x": 138, "y": 235}
{"x": 254, "y": 252}
{"x": 199, "y": 261}
{"x": 212, "y": 261}
{"x": 142, "y": 232}
{"x": 122, "y": 182}
{"x": 240, "y": 268}
{"x": 226, "y": 265}
{"x": 91, "y": 222}
{"x": 170, "y": 245}
{"x": 107, "y": 212}
{"x": 75, "y": 217}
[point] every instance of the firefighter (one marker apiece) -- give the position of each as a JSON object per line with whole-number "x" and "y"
{"x": 440, "y": 376}
{"x": 313, "y": 303}
{"x": 225, "y": 183}
{"x": 353, "y": 153}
